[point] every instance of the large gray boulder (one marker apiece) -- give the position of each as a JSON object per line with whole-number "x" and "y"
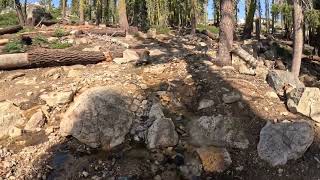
{"x": 99, "y": 117}
{"x": 221, "y": 131}
{"x": 10, "y": 117}
{"x": 284, "y": 141}
{"x": 35, "y": 13}
{"x": 162, "y": 134}
{"x": 278, "y": 80}
{"x": 54, "y": 99}
{"x": 129, "y": 55}
{"x": 305, "y": 101}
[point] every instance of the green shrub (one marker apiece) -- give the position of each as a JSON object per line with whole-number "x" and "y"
{"x": 56, "y": 13}
{"x": 162, "y": 29}
{"x": 74, "y": 19}
{"x": 14, "y": 46}
{"x": 59, "y": 32}
{"x": 8, "y": 19}
{"x": 59, "y": 45}
{"x": 40, "y": 40}
{"x": 212, "y": 29}
{"x": 26, "y": 29}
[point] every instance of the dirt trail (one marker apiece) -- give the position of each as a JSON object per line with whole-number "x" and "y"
{"x": 178, "y": 77}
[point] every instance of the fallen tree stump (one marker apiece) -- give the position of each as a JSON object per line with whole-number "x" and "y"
{"x": 243, "y": 54}
{"x": 109, "y": 32}
{"x": 47, "y": 58}
{"x": 3, "y": 41}
{"x": 10, "y": 30}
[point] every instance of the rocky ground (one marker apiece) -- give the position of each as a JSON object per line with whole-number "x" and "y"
{"x": 178, "y": 117}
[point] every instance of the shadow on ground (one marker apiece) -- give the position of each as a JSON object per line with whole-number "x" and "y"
{"x": 132, "y": 160}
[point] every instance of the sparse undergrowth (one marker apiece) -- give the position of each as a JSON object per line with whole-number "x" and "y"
{"x": 162, "y": 29}
{"x": 40, "y": 40}
{"x": 26, "y": 29}
{"x": 14, "y": 46}
{"x": 59, "y": 32}
{"x": 212, "y": 29}
{"x": 8, "y": 19}
{"x": 59, "y": 45}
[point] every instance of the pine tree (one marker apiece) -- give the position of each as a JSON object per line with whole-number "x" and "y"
{"x": 298, "y": 37}
{"x": 226, "y": 32}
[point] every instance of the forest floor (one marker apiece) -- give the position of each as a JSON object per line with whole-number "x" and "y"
{"x": 180, "y": 78}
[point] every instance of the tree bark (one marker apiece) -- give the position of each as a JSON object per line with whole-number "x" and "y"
{"x": 267, "y": 10}
{"x": 3, "y": 41}
{"x": 258, "y": 28}
{"x": 44, "y": 58}
{"x": 11, "y": 29}
{"x": 226, "y": 32}
{"x": 209, "y": 34}
{"x": 64, "y": 8}
{"x": 217, "y": 12}
{"x": 298, "y": 37}
{"x": 249, "y": 20}
{"x": 123, "y": 21}
{"x": 25, "y": 10}
{"x": 81, "y": 11}
{"x": 273, "y": 20}
{"x": 22, "y": 19}
{"x": 109, "y": 32}
{"x": 98, "y": 12}
{"x": 193, "y": 16}
{"x": 243, "y": 54}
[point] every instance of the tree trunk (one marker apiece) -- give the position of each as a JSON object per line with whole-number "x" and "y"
{"x": 98, "y": 12}
{"x": 258, "y": 21}
{"x": 258, "y": 28}
{"x": 64, "y": 8}
{"x": 273, "y": 20}
{"x": 267, "y": 10}
{"x": 298, "y": 37}
{"x": 243, "y": 54}
{"x": 106, "y": 12}
{"x": 90, "y": 10}
{"x": 123, "y": 21}
{"x": 249, "y": 20}
{"x": 25, "y": 10}
{"x": 193, "y": 16}
{"x": 217, "y": 12}
{"x": 44, "y": 58}
{"x": 209, "y": 34}
{"x": 22, "y": 19}
{"x": 49, "y": 5}
{"x": 226, "y": 32}
{"x": 11, "y": 29}
{"x": 81, "y": 11}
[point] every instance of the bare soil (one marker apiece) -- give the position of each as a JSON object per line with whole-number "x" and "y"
{"x": 185, "y": 77}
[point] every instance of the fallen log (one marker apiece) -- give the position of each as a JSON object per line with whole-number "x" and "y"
{"x": 3, "y": 41}
{"x": 209, "y": 34}
{"x": 243, "y": 54}
{"x": 310, "y": 58}
{"x": 47, "y": 58}
{"x": 109, "y": 32}
{"x": 49, "y": 22}
{"x": 10, "y": 30}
